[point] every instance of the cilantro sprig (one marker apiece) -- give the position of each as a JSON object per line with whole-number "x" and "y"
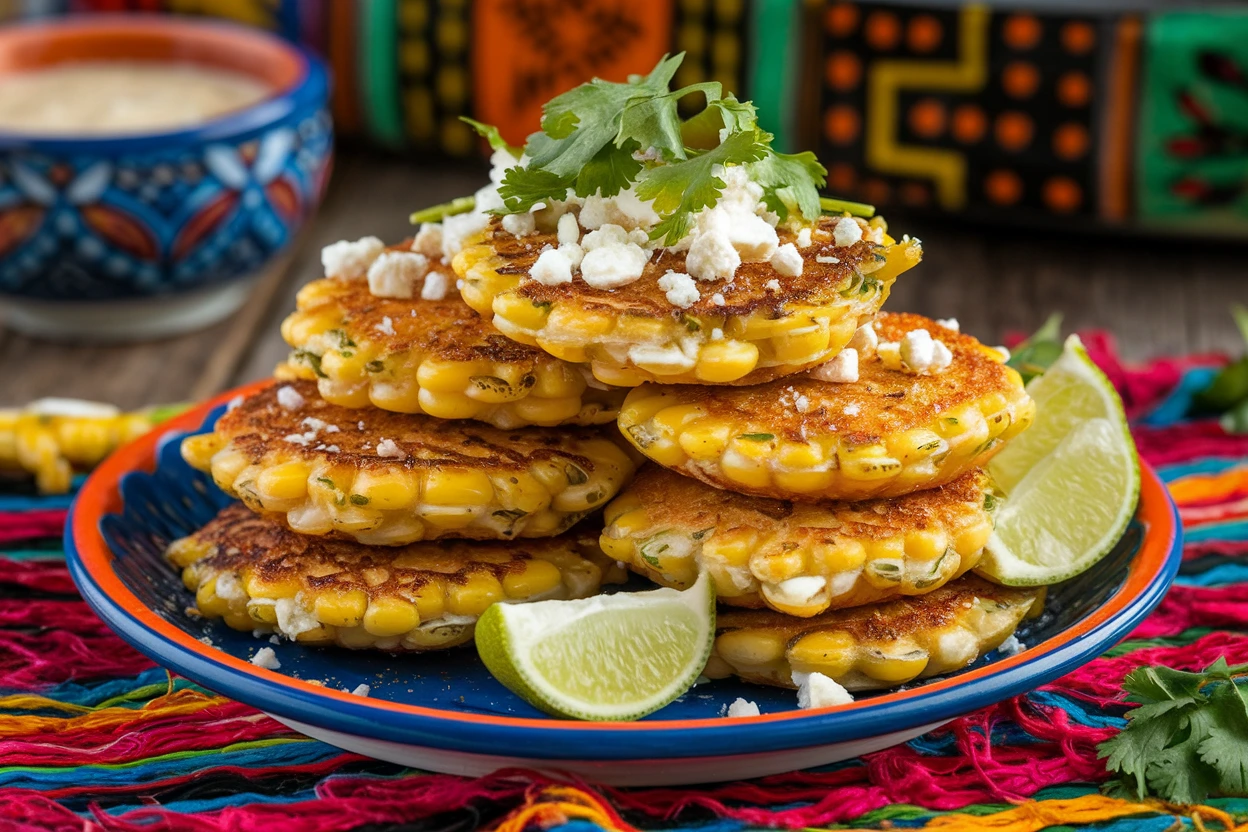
{"x": 1187, "y": 740}
{"x": 603, "y": 137}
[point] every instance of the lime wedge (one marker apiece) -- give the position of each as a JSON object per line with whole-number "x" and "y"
{"x": 1072, "y": 479}
{"x": 610, "y": 657}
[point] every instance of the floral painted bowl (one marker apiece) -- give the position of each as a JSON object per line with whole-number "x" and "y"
{"x": 149, "y": 234}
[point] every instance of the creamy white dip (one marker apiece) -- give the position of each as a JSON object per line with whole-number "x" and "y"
{"x": 121, "y": 97}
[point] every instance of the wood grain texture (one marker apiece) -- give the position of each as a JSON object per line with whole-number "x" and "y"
{"x": 1157, "y": 296}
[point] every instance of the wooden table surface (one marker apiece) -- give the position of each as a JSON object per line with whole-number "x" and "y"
{"x": 1157, "y": 296}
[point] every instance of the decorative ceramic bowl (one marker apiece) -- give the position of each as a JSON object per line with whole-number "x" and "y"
{"x": 149, "y": 234}
{"x": 445, "y": 712}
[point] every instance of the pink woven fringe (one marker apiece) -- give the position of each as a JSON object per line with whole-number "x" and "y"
{"x": 32, "y": 661}
{"x": 1100, "y": 681}
{"x": 1223, "y": 548}
{"x": 28, "y": 525}
{"x": 38, "y": 575}
{"x": 1187, "y": 441}
{"x": 1223, "y": 608}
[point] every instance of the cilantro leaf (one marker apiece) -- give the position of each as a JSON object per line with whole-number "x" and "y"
{"x": 585, "y": 118}
{"x": 524, "y": 187}
{"x": 791, "y": 183}
{"x": 490, "y": 133}
{"x": 1187, "y": 740}
{"x": 655, "y": 122}
{"x": 683, "y": 188}
{"x": 610, "y": 171}
{"x": 702, "y": 131}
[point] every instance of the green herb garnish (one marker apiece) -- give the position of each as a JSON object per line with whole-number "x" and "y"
{"x": 1035, "y": 355}
{"x": 359, "y": 500}
{"x": 312, "y": 360}
{"x": 574, "y": 474}
{"x": 327, "y": 482}
{"x": 1228, "y": 392}
{"x": 1187, "y": 740}
{"x": 437, "y": 213}
{"x": 374, "y": 366}
{"x": 757, "y": 437}
{"x": 603, "y": 137}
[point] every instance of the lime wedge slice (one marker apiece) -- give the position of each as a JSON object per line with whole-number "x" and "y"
{"x": 1072, "y": 480}
{"x": 610, "y": 657}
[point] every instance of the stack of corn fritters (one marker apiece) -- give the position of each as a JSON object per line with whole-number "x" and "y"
{"x": 424, "y": 455}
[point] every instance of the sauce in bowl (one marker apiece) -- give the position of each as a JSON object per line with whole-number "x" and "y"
{"x": 100, "y": 98}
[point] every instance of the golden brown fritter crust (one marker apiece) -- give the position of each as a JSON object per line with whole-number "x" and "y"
{"x": 445, "y": 329}
{"x": 883, "y": 401}
{"x": 273, "y": 554}
{"x": 745, "y": 295}
{"x": 677, "y": 501}
{"x": 886, "y": 622}
{"x": 259, "y": 425}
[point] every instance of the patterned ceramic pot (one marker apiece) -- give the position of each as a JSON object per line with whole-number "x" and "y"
{"x": 143, "y": 235}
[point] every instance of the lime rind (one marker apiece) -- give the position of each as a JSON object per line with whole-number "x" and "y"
{"x": 1072, "y": 480}
{"x": 610, "y": 657}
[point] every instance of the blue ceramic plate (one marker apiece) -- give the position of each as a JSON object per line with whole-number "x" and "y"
{"x": 444, "y": 712}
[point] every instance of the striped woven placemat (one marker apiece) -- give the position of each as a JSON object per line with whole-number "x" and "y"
{"x": 93, "y": 736}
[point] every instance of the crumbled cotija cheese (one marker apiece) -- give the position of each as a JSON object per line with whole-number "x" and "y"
{"x": 611, "y": 259}
{"x": 428, "y": 240}
{"x": 772, "y": 285}
{"x": 787, "y": 261}
{"x": 803, "y": 238}
{"x": 846, "y": 232}
{"x": 350, "y": 260}
{"x": 865, "y": 341}
{"x": 394, "y": 274}
{"x": 680, "y": 289}
{"x": 842, "y": 369}
{"x": 266, "y": 658}
{"x": 950, "y": 323}
{"x": 814, "y": 690}
{"x": 718, "y": 299}
{"x": 436, "y": 286}
{"x": 624, "y": 209}
{"x": 923, "y": 354}
{"x": 742, "y": 707}
{"x": 362, "y": 690}
{"x": 289, "y": 398}
{"x": 825, "y": 258}
{"x": 519, "y": 225}
{"x": 1012, "y": 646}
{"x": 389, "y": 448}
{"x": 569, "y": 231}
{"x": 552, "y": 267}
{"x": 386, "y": 327}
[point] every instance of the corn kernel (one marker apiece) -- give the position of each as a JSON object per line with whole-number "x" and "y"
{"x": 725, "y": 361}
{"x": 539, "y": 576}
{"x": 344, "y": 608}
{"x": 448, "y": 405}
{"x": 842, "y": 556}
{"x": 198, "y": 451}
{"x": 478, "y": 591}
{"x": 390, "y": 617}
{"x": 893, "y": 669}
{"x": 556, "y": 380}
{"x": 386, "y": 490}
{"x": 288, "y": 481}
{"x": 831, "y": 653}
{"x": 750, "y": 648}
{"x": 430, "y": 601}
{"x": 926, "y": 544}
{"x": 573, "y": 353}
{"x": 801, "y": 345}
{"x": 521, "y": 312}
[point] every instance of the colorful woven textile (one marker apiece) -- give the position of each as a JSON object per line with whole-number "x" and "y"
{"x": 92, "y": 735}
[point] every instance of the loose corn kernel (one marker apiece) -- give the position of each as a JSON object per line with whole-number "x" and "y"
{"x": 390, "y": 617}
{"x": 478, "y": 591}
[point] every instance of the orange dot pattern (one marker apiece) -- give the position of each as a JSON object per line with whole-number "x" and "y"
{"x": 1027, "y": 135}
